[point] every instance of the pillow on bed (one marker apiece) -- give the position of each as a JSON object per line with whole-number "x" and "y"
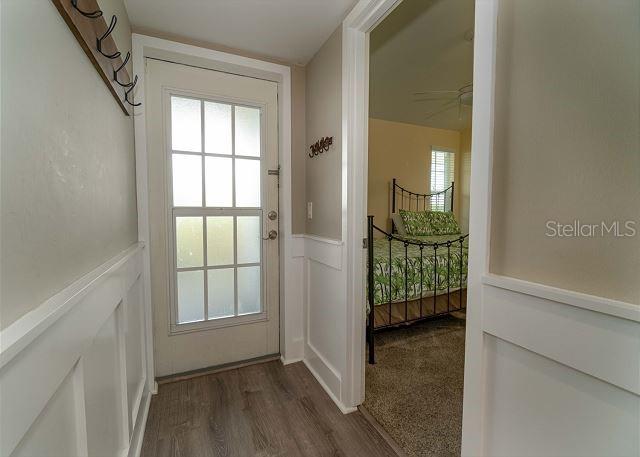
{"x": 415, "y": 223}
{"x": 427, "y": 223}
{"x": 443, "y": 223}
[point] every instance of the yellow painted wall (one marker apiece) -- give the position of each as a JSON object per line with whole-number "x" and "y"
{"x": 403, "y": 151}
{"x": 463, "y": 184}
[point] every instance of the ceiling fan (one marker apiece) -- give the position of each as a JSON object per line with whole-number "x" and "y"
{"x": 451, "y": 99}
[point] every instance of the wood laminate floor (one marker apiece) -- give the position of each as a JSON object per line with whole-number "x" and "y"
{"x": 260, "y": 410}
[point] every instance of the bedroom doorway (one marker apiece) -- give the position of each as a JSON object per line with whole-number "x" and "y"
{"x": 419, "y": 156}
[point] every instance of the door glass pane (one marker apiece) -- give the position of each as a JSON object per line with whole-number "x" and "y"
{"x": 189, "y": 242}
{"x": 221, "y": 293}
{"x": 218, "y": 176}
{"x": 185, "y": 124}
{"x": 220, "y": 240}
{"x": 249, "y": 290}
{"x": 249, "y": 239}
{"x": 247, "y": 183}
{"x": 187, "y": 180}
{"x": 247, "y": 131}
{"x": 217, "y": 128}
{"x": 190, "y": 296}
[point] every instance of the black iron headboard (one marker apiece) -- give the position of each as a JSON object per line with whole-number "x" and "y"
{"x": 402, "y": 198}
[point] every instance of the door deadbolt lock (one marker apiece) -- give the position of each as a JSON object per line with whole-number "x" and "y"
{"x": 273, "y": 215}
{"x": 272, "y": 235}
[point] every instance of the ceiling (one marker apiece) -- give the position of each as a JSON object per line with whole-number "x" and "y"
{"x": 287, "y": 30}
{"x": 421, "y": 46}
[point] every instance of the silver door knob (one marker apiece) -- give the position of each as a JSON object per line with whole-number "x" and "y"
{"x": 272, "y": 235}
{"x": 273, "y": 215}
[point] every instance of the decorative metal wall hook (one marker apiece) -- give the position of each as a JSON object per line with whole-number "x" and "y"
{"x": 112, "y": 25}
{"x": 129, "y": 90}
{"x": 92, "y": 15}
{"x": 115, "y": 72}
{"x": 321, "y": 146}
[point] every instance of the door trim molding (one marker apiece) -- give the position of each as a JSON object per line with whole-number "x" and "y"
{"x": 147, "y": 46}
{"x": 355, "y": 123}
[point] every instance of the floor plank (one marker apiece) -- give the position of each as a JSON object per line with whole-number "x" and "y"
{"x": 260, "y": 410}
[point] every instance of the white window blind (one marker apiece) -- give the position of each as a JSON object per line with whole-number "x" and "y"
{"x": 442, "y": 175}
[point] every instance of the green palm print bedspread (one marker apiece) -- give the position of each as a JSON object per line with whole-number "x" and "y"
{"x": 389, "y": 286}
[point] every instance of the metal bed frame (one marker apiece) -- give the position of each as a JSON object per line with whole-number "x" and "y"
{"x": 372, "y": 229}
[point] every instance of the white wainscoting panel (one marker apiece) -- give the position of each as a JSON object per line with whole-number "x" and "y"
{"x": 561, "y": 372}
{"x": 73, "y": 371}
{"x": 325, "y": 314}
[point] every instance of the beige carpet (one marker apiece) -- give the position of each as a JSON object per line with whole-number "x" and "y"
{"x": 415, "y": 388}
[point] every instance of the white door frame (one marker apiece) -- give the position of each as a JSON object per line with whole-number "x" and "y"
{"x": 146, "y": 46}
{"x": 355, "y": 103}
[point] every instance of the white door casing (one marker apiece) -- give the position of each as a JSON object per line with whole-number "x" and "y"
{"x": 291, "y": 340}
{"x": 184, "y": 345}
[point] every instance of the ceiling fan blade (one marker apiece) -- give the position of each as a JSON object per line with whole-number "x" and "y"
{"x": 427, "y": 92}
{"x": 443, "y": 108}
{"x": 433, "y": 99}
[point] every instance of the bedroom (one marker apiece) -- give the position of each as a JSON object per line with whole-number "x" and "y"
{"x": 419, "y": 156}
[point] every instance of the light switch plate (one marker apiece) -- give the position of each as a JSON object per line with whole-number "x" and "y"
{"x": 309, "y": 210}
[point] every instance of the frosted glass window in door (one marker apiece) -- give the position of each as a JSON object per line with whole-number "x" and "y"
{"x": 221, "y": 293}
{"x": 218, "y": 181}
{"x": 190, "y": 296}
{"x": 220, "y": 240}
{"x": 249, "y": 239}
{"x": 249, "y": 290}
{"x": 185, "y": 125}
{"x": 247, "y": 183}
{"x": 247, "y": 132}
{"x": 189, "y": 242}
{"x": 217, "y": 128}
{"x": 187, "y": 180}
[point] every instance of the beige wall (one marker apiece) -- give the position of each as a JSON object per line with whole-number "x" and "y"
{"x": 323, "y": 118}
{"x": 68, "y": 169}
{"x": 463, "y": 185}
{"x": 567, "y": 143}
{"x": 402, "y": 151}
{"x": 298, "y": 149}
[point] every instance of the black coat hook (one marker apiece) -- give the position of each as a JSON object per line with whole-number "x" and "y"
{"x": 115, "y": 72}
{"x": 128, "y": 91}
{"x": 92, "y": 15}
{"x": 112, "y": 25}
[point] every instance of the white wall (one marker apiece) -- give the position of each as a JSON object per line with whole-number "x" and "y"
{"x": 68, "y": 171}
{"x": 73, "y": 372}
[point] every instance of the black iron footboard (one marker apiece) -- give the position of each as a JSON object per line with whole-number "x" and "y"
{"x": 442, "y": 293}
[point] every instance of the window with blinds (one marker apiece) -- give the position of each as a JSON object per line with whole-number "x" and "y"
{"x": 442, "y": 175}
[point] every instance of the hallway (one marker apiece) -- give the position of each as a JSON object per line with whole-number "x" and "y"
{"x": 265, "y": 409}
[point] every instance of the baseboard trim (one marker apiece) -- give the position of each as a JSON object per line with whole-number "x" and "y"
{"x": 141, "y": 426}
{"x": 290, "y": 361}
{"x": 344, "y": 409}
{"x": 215, "y": 369}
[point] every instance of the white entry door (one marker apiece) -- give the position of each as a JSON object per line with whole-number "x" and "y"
{"x": 213, "y": 184}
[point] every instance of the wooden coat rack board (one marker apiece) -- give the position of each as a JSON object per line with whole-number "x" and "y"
{"x": 88, "y": 25}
